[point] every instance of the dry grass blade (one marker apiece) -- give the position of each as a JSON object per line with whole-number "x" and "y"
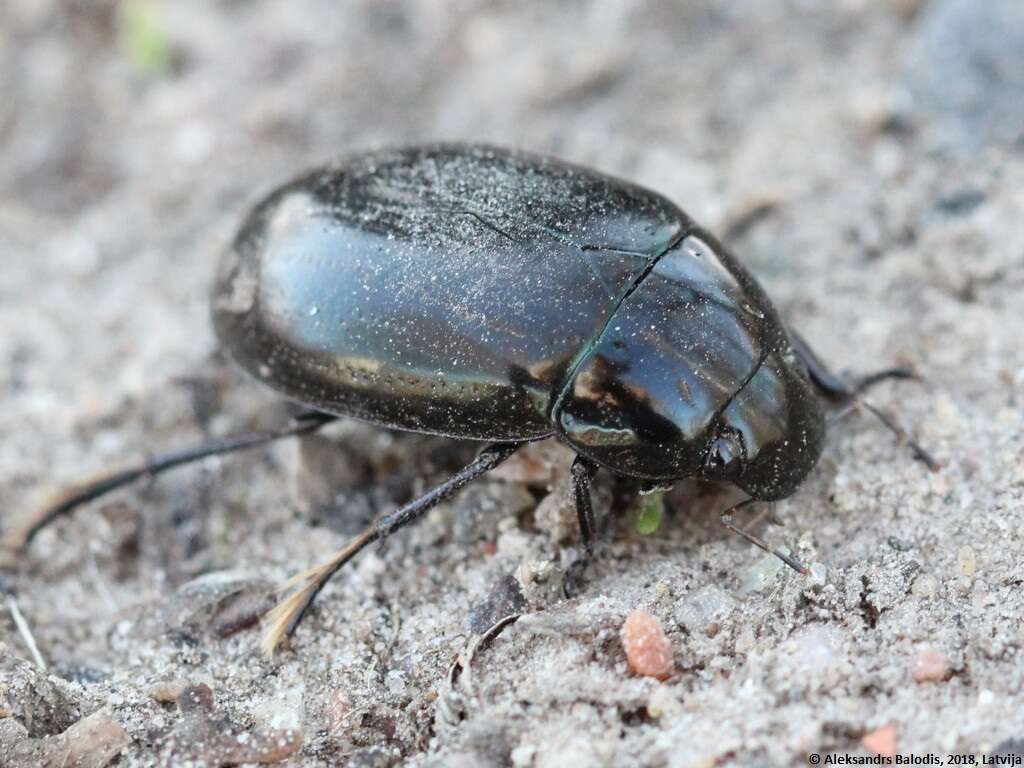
{"x": 482, "y": 642}
{"x": 26, "y": 632}
{"x": 284, "y": 617}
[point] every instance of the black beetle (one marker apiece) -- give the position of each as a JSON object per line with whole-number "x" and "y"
{"x": 495, "y": 295}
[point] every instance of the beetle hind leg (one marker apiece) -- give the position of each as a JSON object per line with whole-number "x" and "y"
{"x": 69, "y": 499}
{"x": 303, "y": 588}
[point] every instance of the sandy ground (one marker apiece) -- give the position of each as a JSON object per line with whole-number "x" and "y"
{"x": 864, "y": 157}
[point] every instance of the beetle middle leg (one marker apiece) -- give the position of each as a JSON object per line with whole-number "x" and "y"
{"x": 286, "y": 616}
{"x": 851, "y": 396}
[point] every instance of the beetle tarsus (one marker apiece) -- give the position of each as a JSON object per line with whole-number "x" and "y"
{"x": 866, "y": 382}
{"x": 285, "y": 617}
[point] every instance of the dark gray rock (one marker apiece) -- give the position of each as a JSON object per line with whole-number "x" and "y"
{"x": 504, "y": 599}
{"x": 44, "y": 704}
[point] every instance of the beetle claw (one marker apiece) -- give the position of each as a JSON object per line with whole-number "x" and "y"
{"x": 574, "y": 582}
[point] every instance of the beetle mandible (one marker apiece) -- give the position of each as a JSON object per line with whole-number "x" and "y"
{"x": 484, "y": 293}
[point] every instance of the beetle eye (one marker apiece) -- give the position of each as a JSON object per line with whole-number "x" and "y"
{"x": 725, "y": 457}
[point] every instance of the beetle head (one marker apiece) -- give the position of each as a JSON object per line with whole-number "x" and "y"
{"x": 765, "y": 438}
{"x": 770, "y": 434}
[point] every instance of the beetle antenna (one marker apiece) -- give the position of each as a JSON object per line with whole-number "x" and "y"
{"x": 865, "y": 383}
{"x": 851, "y": 398}
{"x": 65, "y": 501}
{"x": 757, "y": 541}
{"x": 919, "y": 453}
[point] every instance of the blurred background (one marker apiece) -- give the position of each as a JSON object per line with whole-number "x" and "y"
{"x": 863, "y": 157}
{"x": 134, "y": 133}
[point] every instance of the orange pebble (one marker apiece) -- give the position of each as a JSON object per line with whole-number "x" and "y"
{"x": 881, "y": 741}
{"x": 648, "y": 650}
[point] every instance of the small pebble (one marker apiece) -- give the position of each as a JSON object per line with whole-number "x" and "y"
{"x": 93, "y": 742}
{"x": 338, "y": 709}
{"x": 648, "y": 650}
{"x": 396, "y": 682}
{"x": 482, "y": 508}
{"x": 925, "y": 585}
{"x": 931, "y": 666}
{"x": 167, "y": 692}
{"x": 96, "y": 741}
{"x": 819, "y": 574}
{"x": 555, "y": 515}
{"x": 881, "y": 741}
{"x": 746, "y": 640}
{"x": 762, "y": 572}
{"x": 540, "y": 464}
{"x": 283, "y": 709}
{"x": 522, "y": 756}
{"x": 662, "y": 703}
{"x": 504, "y": 598}
{"x": 967, "y": 561}
{"x": 820, "y": 650}
{"x": 707, "y": 606}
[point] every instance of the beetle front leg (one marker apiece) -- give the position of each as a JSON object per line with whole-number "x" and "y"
{"x": 583, "y": 471}
{"x": 757, "y": 541}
